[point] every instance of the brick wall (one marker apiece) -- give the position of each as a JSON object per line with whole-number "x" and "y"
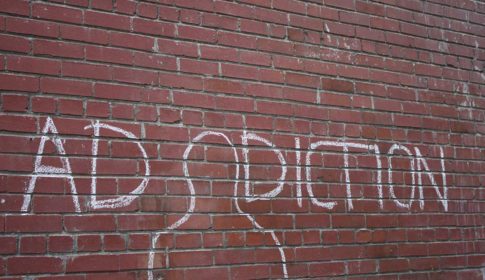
{"x": 212, "y": 139}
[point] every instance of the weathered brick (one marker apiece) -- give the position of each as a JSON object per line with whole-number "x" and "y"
{"x": 212, "y": 114}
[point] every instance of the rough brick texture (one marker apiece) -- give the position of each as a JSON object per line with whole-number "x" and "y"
{"x": 247, "y": 139}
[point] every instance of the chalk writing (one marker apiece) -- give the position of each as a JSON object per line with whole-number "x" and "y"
{"x": 122, "y": 200}
{"x": 418, "y": 166}
{"x": 41, "y": 170}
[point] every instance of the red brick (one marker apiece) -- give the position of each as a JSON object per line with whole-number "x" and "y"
{"x": 236, "y": 40}
{"x": 147, "y": 10}
{"x": 89, "y": 223}
{"x": 380, "y": 73}
{"x": 181, "y": 81}
{"x": 197, "y": 33}
{"x": 205, "y": 5}
{"x": 33, "y": 65}
{"x": 57, "y": 13}
{"x": 190, "y": 16}
{"x": 132, "y": 41}
{"x": 58, "y": 49}
{"x": 194, "y": 258}
{"x": 166, "y": 133}
{"x": 64, "y": 86}
{"x": 85, "y": 70}
{"x": 337, "y": 85}
{"x": 34, "y": 265}
{"x": 33, "y": 245}
{"x": 102, "y": 5}
{"x": 220, "y": 85}
{"x": 357, "y": 221}
{"x": 8, "y": 245}
{"x": 19, "y": 83}
{"x": 327, "y": 269}
{"x": 235, "y": 104}
{"x": 306, "y": 22}
{"x": 32, "y": 27}
{"x": 89, "y": 243}
{"x": 17, "y": 123}
{"x": 177, "y": 48}
{"x": 107, "y": 20}
{"x": 234, "y": 256}
{"x": 70, "y": 107}
{"x": 123, "y": 111}
{"x": 204, "y": 273}
{"x": 126, "y": 7}
{"x": 43, "y": 105}
{"x": 15, "y": 103}
{"x": 84, "y": 34}
{"x": 169, "y": 115}
{"x": 219, "y": 53}
{"x": 14, "y": 43}
{"x": 154, "y": 61}
{"x": 139, "y": 241}
{"x": 188, "y": 240}
{"x": 284, "y": 109}
{"x": 275, "y": 46}
{"x": 153, "y": 27}
{"x": 114, "y": 243}
{"x": 33, "y": 223}
{"x": 16, "y": 8}
{"x": 120, "y": 56}
{"x": 200, "y": 67}
{"x": 256, "y": 58}
{"x": 302, "y": 80}
{"x": 393, "y": 265}
{"x": 113, "y": 91}
{"x": 140, "y": 222}
{"x": 90, "y": 263}
{"x": 232, "y": 9}
{"x": 339, "y": 28}
{"x": 312, "y": 221}
{"x": 135, "y": 76}
{"x": 60, "y": 243}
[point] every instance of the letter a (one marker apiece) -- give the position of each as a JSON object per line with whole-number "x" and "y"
{"x": 50, "y": 171}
